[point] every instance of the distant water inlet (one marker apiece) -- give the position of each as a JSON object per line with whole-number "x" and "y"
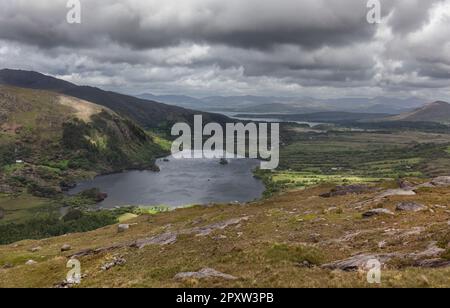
{"x": 180, "y": 182}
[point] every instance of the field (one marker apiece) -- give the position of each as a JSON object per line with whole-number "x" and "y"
{"x": 292, "y": 179}
{"x": 367, "y": 155}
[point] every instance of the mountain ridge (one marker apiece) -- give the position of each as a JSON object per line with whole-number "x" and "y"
{"x": 274, "y": 104}
{"x": 438, "y": 111}
{"x": 149, "y": 114}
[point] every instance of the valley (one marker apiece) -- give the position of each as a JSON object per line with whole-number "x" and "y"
{"x": 336, "y": 199}
{"x": 215, "y": 152}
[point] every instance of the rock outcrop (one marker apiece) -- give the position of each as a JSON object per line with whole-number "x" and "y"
{"x": 66, "y": 247}
{"x": 166, "y": 238}
{"x": 122, "y": 228}
{"x": 161, "y": 239}
{"x": 361, "y": 261}
{"x": 204, "y": 274}
{"x": 410, "y": 207}
{"x": 377, "y": 212}
{"x": 348, "y": 190}
{"x": 116, "y": 261}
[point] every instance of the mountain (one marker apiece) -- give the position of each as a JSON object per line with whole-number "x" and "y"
{"x": 149, "y": 114}
{"x": 176, "y": 100}
{"x": 47, "y": 138}
{"x": 274, "y": 104}
{"x": 433, "y": 112}
{"x": 279, "y": 108}
{"x": 379, "y": 104}
{"x": 213, "y": 103}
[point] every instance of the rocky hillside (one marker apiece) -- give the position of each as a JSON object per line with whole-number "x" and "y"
{"x": 47, "y": 138}
{"x": 148, "y": 114}
{"x": 319, "y": 237}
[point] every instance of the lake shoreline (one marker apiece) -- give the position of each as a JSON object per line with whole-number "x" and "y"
{"x": 172, "y": 184}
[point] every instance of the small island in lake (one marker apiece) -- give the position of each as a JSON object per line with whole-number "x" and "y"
{"x": 223, "y": 161}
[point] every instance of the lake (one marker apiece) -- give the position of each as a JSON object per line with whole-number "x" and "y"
{"x": 180, "y": 182}
{"x": 261, "y": 117}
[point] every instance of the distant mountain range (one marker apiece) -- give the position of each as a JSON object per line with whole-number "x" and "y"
{"x": 438, "y": 112}
{"x": 298, "y": 105}
{"x": 147, "y": 113}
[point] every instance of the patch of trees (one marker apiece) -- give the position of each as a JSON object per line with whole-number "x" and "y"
{"x": 125, "y": 145}
{"x": 74, "y": 136}
{"x": 42, "y": 191}
{"x": 7, "y": 155}
{"x": 49, "y": 226}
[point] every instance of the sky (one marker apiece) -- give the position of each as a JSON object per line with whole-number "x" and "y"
{"x": 317, "y": 48}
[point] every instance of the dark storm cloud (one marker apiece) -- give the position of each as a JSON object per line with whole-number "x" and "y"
{"x": 211, "y": 46}
{"x": 410, "y": 15}
{"x": 151, "y": 24}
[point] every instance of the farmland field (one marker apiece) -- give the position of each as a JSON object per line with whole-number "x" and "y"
{"x": 368, "y": 155}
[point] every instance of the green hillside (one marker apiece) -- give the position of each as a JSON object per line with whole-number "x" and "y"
{"x": 47, "y": 140}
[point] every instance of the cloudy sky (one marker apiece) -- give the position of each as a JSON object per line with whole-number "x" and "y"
{"x": 321, "y": 48}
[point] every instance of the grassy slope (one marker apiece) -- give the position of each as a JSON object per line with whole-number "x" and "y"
{"x": 61, "y": 139}
{"x": 52, "y": 136}
{"x": 265, "y": 251}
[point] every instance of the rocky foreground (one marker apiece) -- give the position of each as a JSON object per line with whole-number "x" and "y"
{"x": 319, "y": 237}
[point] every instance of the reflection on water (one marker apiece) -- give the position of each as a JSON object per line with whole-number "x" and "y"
{"x": 180, "y": 182}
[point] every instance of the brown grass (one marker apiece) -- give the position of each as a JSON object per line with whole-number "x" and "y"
{"x": 265, "y": 251}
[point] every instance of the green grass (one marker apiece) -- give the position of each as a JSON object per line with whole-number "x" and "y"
{"x": 126, "y": 217}
{"x": 158, "y": 139}
{"x": 21, "y": 208}
{"x": 152, "y": 210}
{"x": 61, "y": 165}
{"x": 291, "y": 179}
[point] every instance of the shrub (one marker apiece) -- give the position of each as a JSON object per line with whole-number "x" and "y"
{"x": 446, "y": 255}
{"x": 93, "y": 194}
{"x": 42, "y": 191}
{"x": 47, "y": 173}
{"x": 73, "y": 214}
{"x": 295, "y": 253}
{"x": 74, "y": 135}
{"x": 7, "y": 155}
{"x": 444, "y": 240}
